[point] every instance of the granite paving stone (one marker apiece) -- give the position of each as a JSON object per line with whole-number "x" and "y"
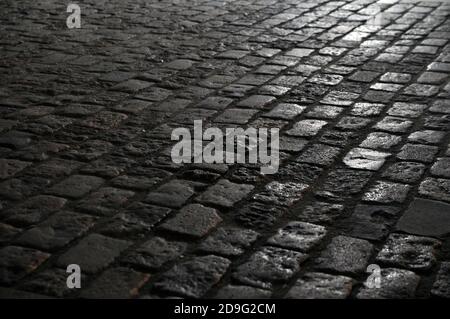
{"x": 358, "y": 89}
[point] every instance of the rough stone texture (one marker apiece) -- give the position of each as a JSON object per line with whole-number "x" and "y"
{"x": 306, "y": 128}
{"x": 154, "y": 253}
{"x": 361, "y": 158}
{"x": 116, "y": 283}
{"x": 345, "y": 255}
{"x": 229, "y": 241}
{"x": 57, "y": 231}
{"x": 342, "y": 183}
{"x": 406, "y": 251}
{"x": 436, "y": 188}
{"x": 194, "y": 220}
{"x": 224, "y": 193}
{"x": 359, "y": 91}
{"x": 268, "y": 266}
{"x": 173, "y": 194}
{"x": 105, "y": 201}
{"x": 441, "y": 168}
{"x": 426, "y": 218}
{"x": 321, "y": 286}
{"x": 320, "y": 212}
{"x": 195, "y": 277}
{"x": 34, "y": 210}
{"x": 76, "y": 186}
{"x": 371, "y": 222}
{"x": 282, "y": 194}
{"x": 137, "y": 220}
{"x": 52, "y": 282}
{"x": 441, "y": 286}
{"x": 387, "y": 192}
{"x": 93, "y": 253}
{"x": 405, "y": 172}
{"x": 16, "y": 262}
{"x": 394, "y": 284}
{"x": 298, "y": 236}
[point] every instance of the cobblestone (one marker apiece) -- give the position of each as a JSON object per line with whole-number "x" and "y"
{"x": 396, "y": 283}
{"x": 321, "y": 286}
{"x": 16, "y": 262}
{"x": 268, "y": 266}
{"x": 195, "y": 277}
{"x": 345, "y": 255}
{"x": 194, "y": 220}
{"x": 86, "y": 175}
{"x": 412, "y": 252}
{"x": 116, "y": 283}
{"x": 229, "y": 241}
{"x": 93, "y": 253}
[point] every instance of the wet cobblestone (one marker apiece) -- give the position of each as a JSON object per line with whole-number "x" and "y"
{"x": 360, "y": 92}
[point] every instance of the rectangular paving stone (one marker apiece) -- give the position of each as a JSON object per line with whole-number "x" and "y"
{"x": 224, "y": 193}
{"x": 299, "y": 52}
{"x": 193, "y": 220}
{"x": 281, "y": 194}
{"x": 285, "y": 111}
{"x": 320, "y": 212}
{"x": 393, "y": 124}
{"x": 235, "y": 116}
{"x": 394, "y": 284}
{"x": 229, "y": 241}
{"x": 116, "y": 283}
{"x": 76, "y": 186}
{"x": 137, "y": 220}
{"x": 306, "y": 128}
{"x": 426, "y": 137}
{"x": 441, "y": 286}
{"x": 441, "y": 167}
{"x": 154, "y": 253}
{"x": 367, "y": 109}
{"x": 57, "y": 231}
{"x": 33, "y": 210}
{"x": 367, "y": 159}
{"x": 16, "y": 262}
{"x": 398, "y": 248}
{"x": 371, "y": 222}
{"x": 51, "y": 282}
{"x": 345, "y": 255}
{"x": 193, "y": 278}
{"x": 268, "y": 266}
{"x": 256, "y": 101}
{"x": 93, "y": 253}
{"x": 316, "y": 285}
{"x": 426, "y": 217}
{"x": 320, "y": 154}
{"x": 404, "y": 172}
{"x": 417, "y": 152}
{"x": 435, "y": 188}
{"x": 298, "y": 236}
{"x": 409, "y": 110}
{"x": 387, "y": 192}
{"x": 105, "y": 200}
{"x": 172, "y": 194}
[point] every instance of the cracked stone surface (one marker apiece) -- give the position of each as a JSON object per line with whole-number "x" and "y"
{"x": 360, "y": 93}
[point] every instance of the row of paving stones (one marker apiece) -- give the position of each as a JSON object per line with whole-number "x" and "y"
{"x": 93, "y": 183}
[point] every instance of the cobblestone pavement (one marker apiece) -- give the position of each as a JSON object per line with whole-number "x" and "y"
{"x": 360, "y": 92}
